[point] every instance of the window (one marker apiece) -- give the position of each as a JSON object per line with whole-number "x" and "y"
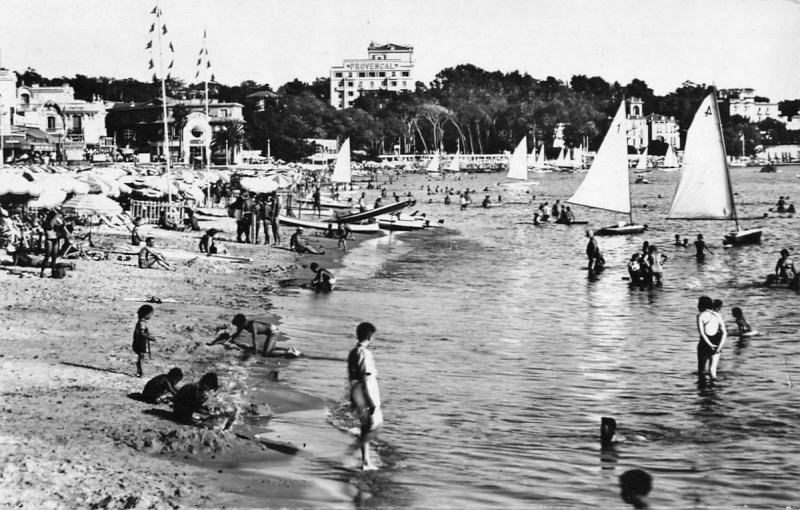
{"x": 26, "y": 99}
{"x": 362, "y": 75}
{"x": 338, "y": 75}
{"x": 382, "y": 75}
{"x": 223, "y": 112}
{"x": 372, "y": 74}
{"x": 350, "y": 93}
{"x": 51, "y": 122}
{"x": 405, "y": 74}
{"x": 405, "y": 83}
{"x": 372, "y": 84}
{"x": 394, "y": 74}
{"x": 77, "y": 122}
{"x": 350, "y": 84}
{"x": 394, "y": 83}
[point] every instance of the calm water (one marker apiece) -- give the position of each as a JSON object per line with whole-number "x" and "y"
{"x": 497, "y": 356}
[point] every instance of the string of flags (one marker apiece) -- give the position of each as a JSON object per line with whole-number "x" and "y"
{"x": 204, "y": 63}
{"x": 161, "y": 27}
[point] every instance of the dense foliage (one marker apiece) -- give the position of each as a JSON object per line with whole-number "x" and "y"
{"x": 465, "y": 108}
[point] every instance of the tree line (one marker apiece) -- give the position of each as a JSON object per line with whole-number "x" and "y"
{"x": 464, "y": 108}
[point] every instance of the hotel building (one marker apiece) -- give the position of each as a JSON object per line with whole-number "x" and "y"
{"x": 642, "y": 129}
{"x": 387, "y": 67}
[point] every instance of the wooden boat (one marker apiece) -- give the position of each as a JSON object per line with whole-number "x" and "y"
{"x": 607, "y": 183}
{"x": 704, "y": 191}
{"x": 356, "y": 228}
{"x": 402, "y": 225}
{"x": 372, "y": 213}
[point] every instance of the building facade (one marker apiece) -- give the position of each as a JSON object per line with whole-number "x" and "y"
{"x": 138, "y": 127}
{"x": 387, "y": 67}
{"x": 50, "y": 119}
{"x": 743, "y": 102}
{"x": 643, "y": 129}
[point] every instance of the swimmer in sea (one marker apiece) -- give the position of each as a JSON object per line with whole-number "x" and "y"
{"x": 741, "y": 322}
{"x": 701, "y": 248}
{"x": 784, "y": 269}
{"x": 711, "y": 330}
{"x": 635, "y": 484}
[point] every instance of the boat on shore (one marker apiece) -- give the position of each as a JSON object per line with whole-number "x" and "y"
{"x": 357, "y": 228}
{"x": 372, "y": 213}
{"x": 704, "y": 191}
{"x": 607, "y": 183}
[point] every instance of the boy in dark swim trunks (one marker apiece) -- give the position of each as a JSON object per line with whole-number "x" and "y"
{"x": 161, "y": 385}
{"x": 191, "y": 397}
{"x": 324, "y": 280}
{"x": 364, "y": 393}
{"x": 741, "y": 323}
{"x": 142, "y": 337}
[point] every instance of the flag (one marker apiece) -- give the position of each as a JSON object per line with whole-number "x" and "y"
{"x": 212, "y": 77}
{"x": 152, "y": 27}
{"x": 155, "y": 9}
{"x": 206, "y": 50}
{"x": 152, "y": 65}
{"x": 171, "y": 48}
{"x": 208, "y": 64}
{"x": 204, "y": 33}
{"x": 155, "y": 78}
{"x": 164, "y": 29}
{"x": 197, "y": 74}
{"x": 170, "y": 64}
{"x": 149, "y": 45}
{"x": 199, "y": 61}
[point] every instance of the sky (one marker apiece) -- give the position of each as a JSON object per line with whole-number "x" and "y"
{"x": 728, "y": 43}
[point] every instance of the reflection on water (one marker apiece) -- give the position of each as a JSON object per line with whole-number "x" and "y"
{"x": 497, "y": 356}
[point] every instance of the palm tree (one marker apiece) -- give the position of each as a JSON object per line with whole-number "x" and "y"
{"x": 180, "y": 114}
{"x": 231, "y": 137}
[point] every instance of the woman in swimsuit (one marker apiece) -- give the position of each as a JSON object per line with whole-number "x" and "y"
{"x": 711, "y": 328}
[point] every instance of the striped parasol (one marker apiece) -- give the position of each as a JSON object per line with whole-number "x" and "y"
{"x": 100, "y": 205}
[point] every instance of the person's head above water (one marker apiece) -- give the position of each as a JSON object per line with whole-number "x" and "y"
{"x": 635, "y": 484}
{"x": 717, "y": 304}
{"x": 705, "y": 303}
{"x": 784, "y": 252}
{"x": 737, "y": 312}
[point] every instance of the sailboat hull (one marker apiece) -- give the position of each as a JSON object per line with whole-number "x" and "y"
{"x": 742, "y": 237}
{"x": 621, "y": 230}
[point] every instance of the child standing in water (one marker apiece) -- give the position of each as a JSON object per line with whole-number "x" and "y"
{"x": 741, "y": 323}
{"x": 142, "y": 337}
{"x": 711, "y": 329}
{"x": 364, "y": 393}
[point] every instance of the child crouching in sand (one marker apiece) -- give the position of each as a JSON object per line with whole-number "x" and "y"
{"x": 162, "y": 385}
{"x": 191, "y": 397}
{"x": 256, "y": 328}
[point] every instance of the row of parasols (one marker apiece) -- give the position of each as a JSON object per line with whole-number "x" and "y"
{"x": 95, "y": 190}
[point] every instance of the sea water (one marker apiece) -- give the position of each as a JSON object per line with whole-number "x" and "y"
{"x": 498, "y": 355}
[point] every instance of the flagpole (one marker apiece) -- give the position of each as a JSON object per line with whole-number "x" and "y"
{"x": 208, "y": 119}
{"x": 164, "y": 106}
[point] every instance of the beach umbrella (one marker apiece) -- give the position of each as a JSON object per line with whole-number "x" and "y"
{"x": 258, "y": 184}
{"x": 13, "y": 184}
{"x": 91, "y": 204}
{"x": 51, "y": 197}
{"x": 62, "y": 182}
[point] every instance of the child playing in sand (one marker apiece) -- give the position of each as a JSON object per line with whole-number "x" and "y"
{"x": 323, "y": 280}
{"x": 191, "y": 397}
{"x": 256, "y": 328}
{"x": 142, "y": 337}
{"x": 364, "y": 393}
{"x": 161, "y": 385}
{"x": 741, "y": 323}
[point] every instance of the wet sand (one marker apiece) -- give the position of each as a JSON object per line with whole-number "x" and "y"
{"x": 71, "y": 435}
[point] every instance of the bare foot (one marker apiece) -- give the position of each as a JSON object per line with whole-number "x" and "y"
{"x": 369, "y": 467}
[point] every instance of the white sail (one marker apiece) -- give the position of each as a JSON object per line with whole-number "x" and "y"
{"x": 670, "y": 159}
{"x": 561, "y": 157}
{"x": 454, "y": 163}
{"x": 518, "y": 163}
{"x": 341, "y": 172}
{"x": 642, "y": 163}
{"x": 704, "y": 190}
{"x": 540, "y": 162}
{"x": 607, "y": 185}
{"x": 433, "y": 165}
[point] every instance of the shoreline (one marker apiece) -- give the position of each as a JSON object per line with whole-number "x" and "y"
{"x": 67, "y": 370}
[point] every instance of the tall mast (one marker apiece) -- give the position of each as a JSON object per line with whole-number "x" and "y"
{"x": 725, "y": 158}
{"x": 164, "y": 105}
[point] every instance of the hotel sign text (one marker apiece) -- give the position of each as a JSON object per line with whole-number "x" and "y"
{"x": 372, "y": 66}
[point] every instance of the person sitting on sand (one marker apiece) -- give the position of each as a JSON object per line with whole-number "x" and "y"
{"x": 256, "y": 328}
{"x": 191, "y": 397}
{"x": 364, "y": 392}
{"x": 162, "y": 385}
{"x": 136, "y": 240}
{"x": 329, "y": 232}
{"x": 784, "y": 269}
{"x": 323, "y": 281}
{"x": 167, "y": 221}
{"x": 148, "y": 257}
{"x": 297, "y": 244}
{"x": 191, "y": 220}
{"x": 207, "y": 242}
{"x": 741, "y": 322}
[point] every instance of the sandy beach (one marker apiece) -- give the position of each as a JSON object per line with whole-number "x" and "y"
{"x": 73, "y": 438}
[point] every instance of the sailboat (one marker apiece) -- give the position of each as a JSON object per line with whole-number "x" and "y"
{"x": 433, "y": 165}
{"x": 641, "y": 165}
{"x": 670, "y": 159}
{"x": 454, "y": 163}
{"x": 540, "y": 165}
{"x": 518, "y": 166}
{"x": 341, "y": 171}
{"x": 607, "y": 183}
{"x": 704, "y": 191}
